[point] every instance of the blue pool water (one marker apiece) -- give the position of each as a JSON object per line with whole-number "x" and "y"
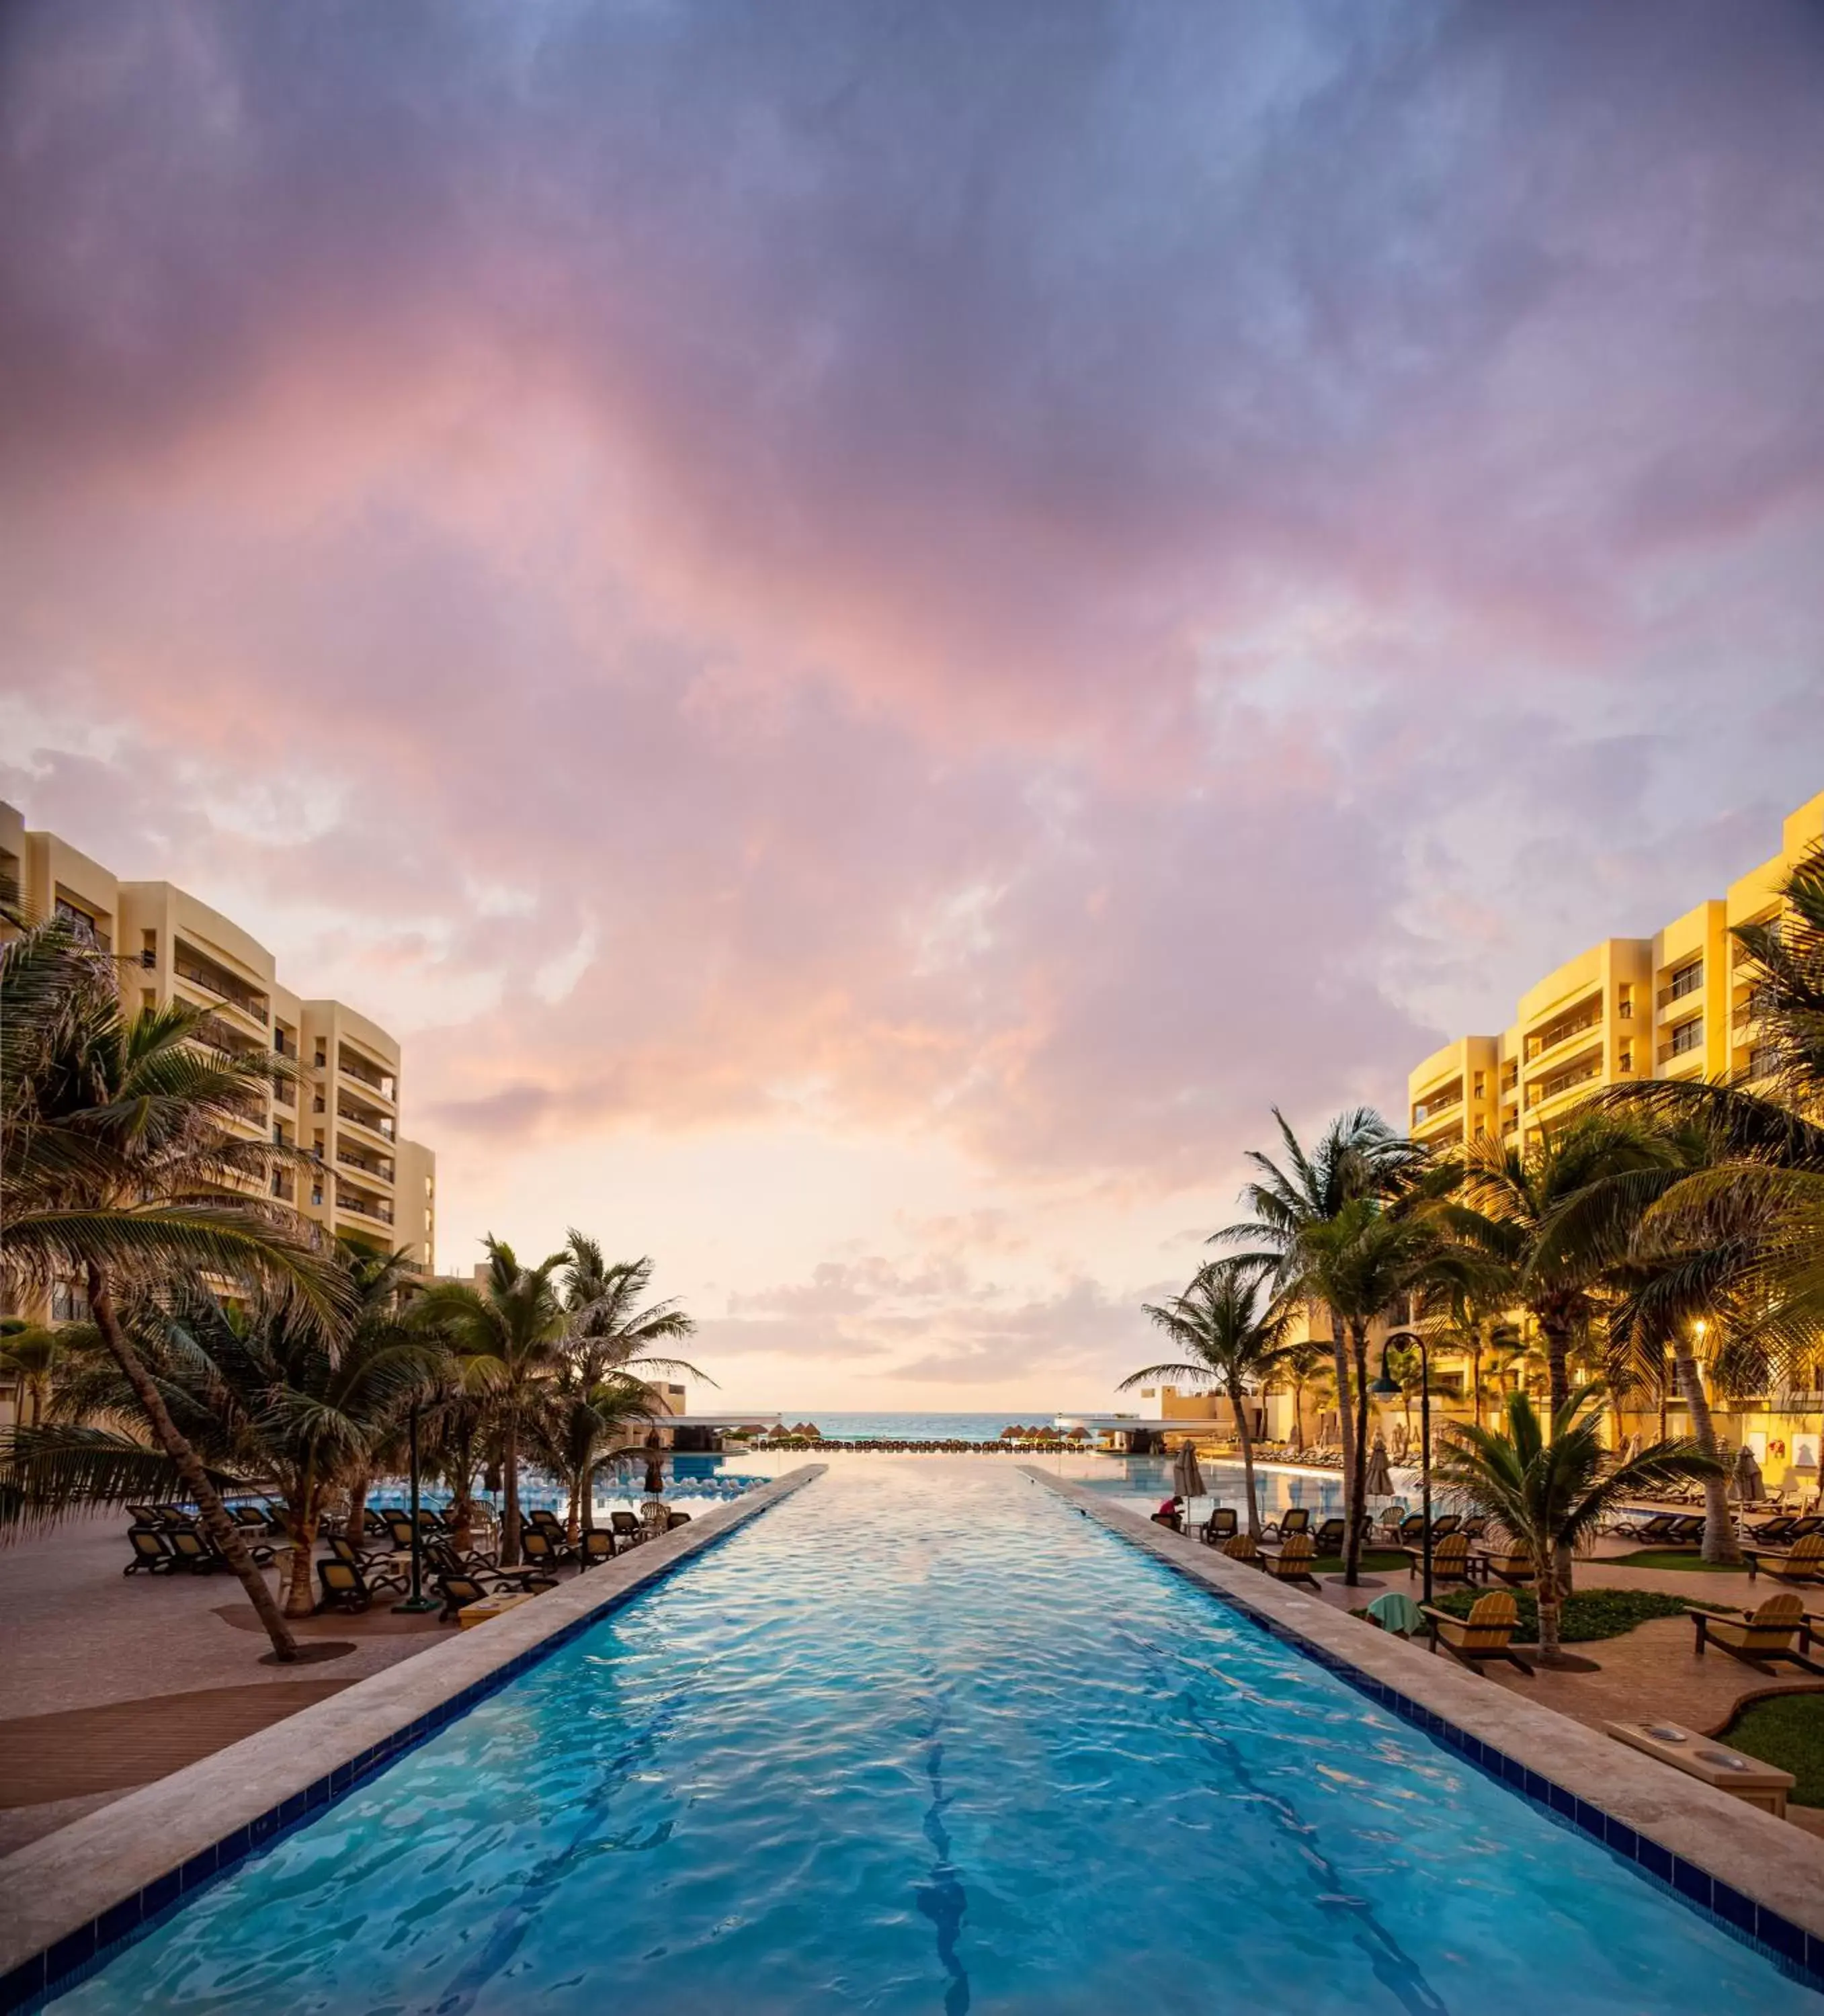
{"x": 923, "y": 1738}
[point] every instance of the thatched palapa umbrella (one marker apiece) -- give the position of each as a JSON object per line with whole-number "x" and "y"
{"x": 1378, "y": 1482}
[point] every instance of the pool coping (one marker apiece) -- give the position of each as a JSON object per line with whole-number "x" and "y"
{"x": 1761, "y": 1878}
{"x": 74, "y": 1897}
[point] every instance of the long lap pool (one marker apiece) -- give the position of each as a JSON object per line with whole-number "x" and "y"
{"x": 923, "y": 1738}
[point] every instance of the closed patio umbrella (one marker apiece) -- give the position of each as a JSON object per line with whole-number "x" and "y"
{"x": 1750, "y": 1484}
{"x": 1187, "y": 1478}
{"x": 1379, "y": 1482}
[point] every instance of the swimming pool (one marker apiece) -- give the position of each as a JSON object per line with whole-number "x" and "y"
{"x": 924, "y": 1738}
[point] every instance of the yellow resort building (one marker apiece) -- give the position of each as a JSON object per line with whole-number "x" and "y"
{"x": 1678, "y": 1005}
{"x": 365, "y": 1181}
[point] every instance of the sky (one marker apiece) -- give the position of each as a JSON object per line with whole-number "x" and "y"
{"x": 872, "y": 628}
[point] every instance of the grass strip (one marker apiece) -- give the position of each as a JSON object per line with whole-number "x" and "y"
{"x": 1673, "y": 1558}
{"x": 1787, "y": 1732}
{"x": 1588, "y": 1614}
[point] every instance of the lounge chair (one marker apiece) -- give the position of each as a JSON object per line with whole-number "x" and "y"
{"x": 1775, "y": 1532}
{"x": 1408, "y": 1533}
{"x": 193, "y": 1551}
{"x": 1441, "y": 1529}
{"x": 1295, "y": 1519}
{"x": 443, "y": 1559}
{"x": 626, "y": 1529}
{"x": 1450, "y": 1559}
{"x": 1486, "y": 1633}
{"x": 541, "y": 1551}
{"x": 1687, "y": 1531}
{"x": 1647, "y": 1530}
{"x": 1802, "y": 1529}
{"x": 1802, "y": 1561}
{"x": 1329, "y": 1537}
{"x": 547, "y": 1522}
{"x": 1291, "y": 1561}
{"x": 151, "y": 1552}
{"x": 1220, "y": 1526}
{"x": 674, "y": 1520}
{"x": 1761, "y": 1635}
{"x": 346, "y": 1587}
{"x": 598, "y": 1546}
{"x": 345, "y": 1549}
{"x": 458, "y": 1592}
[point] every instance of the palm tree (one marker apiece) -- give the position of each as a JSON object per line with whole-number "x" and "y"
{"x": 588, "y": 1413}
{"x": 1232, "y": 1333}
{"x": 510, "y": 1335}
{"x": 604, "y": 1312}
{"x": 1510, "y": 1206}
{"x": 1370, "y": 1264}
{"x": 30, "y": 1353}
{"x": 1304, "y": 1366}
{"x": 270, "y": 1393}
{"x": 1551, "y": 1495}
{"x": 1358, "y": 1156}
{"x": 126, "y": 1160}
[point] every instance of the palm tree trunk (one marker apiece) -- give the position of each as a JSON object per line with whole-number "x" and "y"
{"x": 1476, "y": 1377}
{"x": 572, "y": 1512}
{"x": 357, "y": 1522}
{"x": 1298, "y": 1414}
{"x": 1244, "y": 1437}
{"x": 1356, "y": 1520}
{"x": 509, "y": 1492}
{"x": 1551, "y": 1599}
{"x": 221, "y": 1530}
{"x": 1557, "y": 1365}
{"x": 300, "y": 1523}
{"x": 1345, "y": 1423}
{"x": 586, "y": 1492}
{"x": 1720, "y": 1543}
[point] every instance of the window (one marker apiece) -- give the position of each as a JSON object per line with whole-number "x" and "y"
{"x": 278, "y": 1041}
{"x": 69, "y": 1303}
{"x": 149, "y": 949}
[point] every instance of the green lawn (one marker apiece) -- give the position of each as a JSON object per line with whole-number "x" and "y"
{"x": 1588, "y": 1614}
{"x": 1787, "y": 1732}
{"x": 1374, "y": 1561}
{"x": 1673, "y": 1558}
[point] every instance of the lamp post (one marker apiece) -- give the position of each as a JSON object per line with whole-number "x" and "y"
{"x": 417, "y": 1600}
{"x": 1384, "y": 1388}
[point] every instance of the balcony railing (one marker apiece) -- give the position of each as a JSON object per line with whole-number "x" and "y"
{"x": 1799, "y": 1400}
{"x": 374, "y": 1207}
{"x": 1557, "y": 1033}
{"x": 1686, "y": 981}
{"x": 220, "y": 1035}
{"x": 85, "y": 927}
{"x": 1441, "y": 1102}
{"x": 383, "y": 1170}
{"x": 375, "y": 1123}
{"x": 1687, "y": 1039}
{"x": 1563, "y": 1081}
{"x": 1748, "y": 1013}
{"x": 284, "y": 1091}
{"x": 217, "y": 980}
{"x": 370, "y": 1075}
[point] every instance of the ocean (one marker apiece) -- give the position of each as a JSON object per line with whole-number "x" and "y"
{"x": 913, "y": 1427}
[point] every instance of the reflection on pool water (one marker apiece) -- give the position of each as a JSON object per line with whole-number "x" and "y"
{"x": 1148, "y": 1480}
{"x": 923, "y": 1738}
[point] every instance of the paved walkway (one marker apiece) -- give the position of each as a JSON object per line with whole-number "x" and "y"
{"x": 179, "y": 1653}
{"x": 1653, "y": 1671}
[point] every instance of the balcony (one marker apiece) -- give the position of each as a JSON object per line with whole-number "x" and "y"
{"x": 1798, "y": 1400}
{"x": 220, "y": 1035}
{"x": 1688, "y": 979}
{"x": 375, "y": 1165}
{"x": 284, "y": 1092}
{"x": 1687, "y": 1042}
{"x": 1587, "y": 1015}
{"x": 202, "y": 972}
{"x": 375, "y": 1121}
{"x": 373, "y": 1076}
{"x": 375, "y": 1209}
{"x": 1435, "y": 1105}
{"x": 88, "y": 929}
{"x": 1748, "y": 1012}
{"x": 1584, "y": 1071}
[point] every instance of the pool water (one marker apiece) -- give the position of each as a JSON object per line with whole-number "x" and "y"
{"x": 923, "y": 1738}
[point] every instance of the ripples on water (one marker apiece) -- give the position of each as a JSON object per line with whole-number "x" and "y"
{"x": 923, "y": 1739}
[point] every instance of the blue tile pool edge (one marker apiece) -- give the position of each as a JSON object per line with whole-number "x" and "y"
{"x": 38, "y": 1981}
{"x": 1797, "y": 1953}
